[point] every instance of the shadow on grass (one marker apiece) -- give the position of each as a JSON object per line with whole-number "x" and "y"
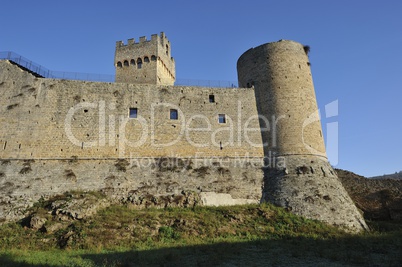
{"x": 362, "y": 250}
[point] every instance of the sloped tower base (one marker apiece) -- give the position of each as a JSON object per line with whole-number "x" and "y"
{"x": 308, "y": 186}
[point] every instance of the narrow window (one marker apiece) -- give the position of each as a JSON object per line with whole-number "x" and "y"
{"x": 222, "y": 118}
{"x": 139, "y": 63}
{"x": 153, "y": 58}
{"x": 125, "y": 63}
{"x": 119, "y": 64}
{"x": 146, "y": 59}
{"x": 133, "y": 113}
{"x": 173, "y": 114}
{"x": 132, "y": 62}
{"x": 211, "y": 99}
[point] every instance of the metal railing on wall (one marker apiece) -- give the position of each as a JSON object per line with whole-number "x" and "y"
{"x": 26, "y": 63}
{"x": 41, "y": 71}
{"x": 83, "y": 76}
{"x": 206, "y": 83}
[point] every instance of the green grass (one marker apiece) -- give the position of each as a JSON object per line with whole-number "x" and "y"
{"x": 256, "y": 235}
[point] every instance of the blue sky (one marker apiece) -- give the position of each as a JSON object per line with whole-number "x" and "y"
{"x": 356, "y": 52}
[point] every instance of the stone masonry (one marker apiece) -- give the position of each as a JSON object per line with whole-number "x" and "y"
{"x": 145, "y": 62}
{"x": 141, "y": 139}
{"x": 306, "y": 184}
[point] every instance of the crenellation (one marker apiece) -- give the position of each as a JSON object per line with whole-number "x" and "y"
{"x": 155, "y": 39}
{"x": 119, "y": 43}
{"x": 164, "y": 39}
{"x": 131, "y": 41}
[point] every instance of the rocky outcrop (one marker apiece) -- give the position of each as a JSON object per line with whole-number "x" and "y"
{"x": 140, "y": 201}
{"x": 58, "y": 211}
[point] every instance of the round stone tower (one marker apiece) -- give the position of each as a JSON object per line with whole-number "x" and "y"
{"x": 304, "y": 181}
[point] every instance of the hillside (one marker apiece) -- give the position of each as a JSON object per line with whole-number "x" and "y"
{"x": 248, "y": 235}
{"x": 395, "y": 176}
{"x": 87, "y": 229}
{"x": 379, "y": 199}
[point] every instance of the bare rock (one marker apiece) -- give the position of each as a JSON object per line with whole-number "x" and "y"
{"x": 51, "y": 228}
{"x": 78, "y": 207}
{"x": 37, "y": 221}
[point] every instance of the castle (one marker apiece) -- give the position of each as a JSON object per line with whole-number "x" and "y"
{"x": 151, "y": 143}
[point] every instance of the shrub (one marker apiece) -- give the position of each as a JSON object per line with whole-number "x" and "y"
{"x": 306, "y": 49}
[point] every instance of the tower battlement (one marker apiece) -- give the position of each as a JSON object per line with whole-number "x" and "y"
{"x": 145, "y": 61}
{"x": 155, "y": 39}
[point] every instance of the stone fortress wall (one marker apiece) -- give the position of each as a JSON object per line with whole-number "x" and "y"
{"x": 62, "y": 135}
{"x": 227, "y": 145}
{"x": 58, "y": 119}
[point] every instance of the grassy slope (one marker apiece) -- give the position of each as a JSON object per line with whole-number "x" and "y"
{"x": 256, "y": 235}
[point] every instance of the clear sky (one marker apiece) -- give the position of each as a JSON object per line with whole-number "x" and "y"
{"x": 356, "y": 52}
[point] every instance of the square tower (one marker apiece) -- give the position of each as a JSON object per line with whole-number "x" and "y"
{"x": 145, "y": 62}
